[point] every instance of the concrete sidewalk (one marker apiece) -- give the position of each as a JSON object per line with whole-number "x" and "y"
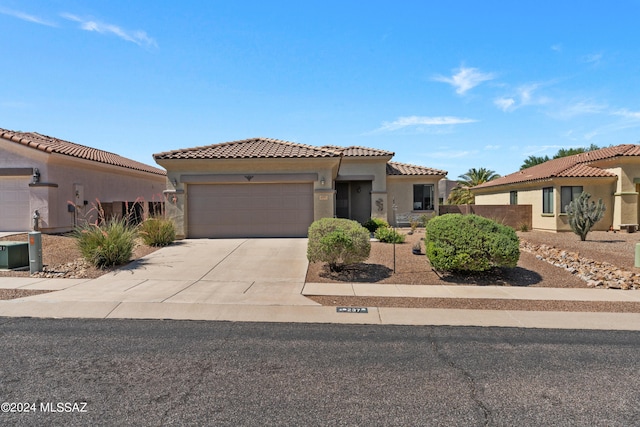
{"x": 262, "y": 280}
{"x": 231, "y": 301}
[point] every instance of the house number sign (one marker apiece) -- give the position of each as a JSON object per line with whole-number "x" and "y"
{"x": 352, "y": 309}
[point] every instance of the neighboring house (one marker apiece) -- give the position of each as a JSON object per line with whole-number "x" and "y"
{"x": 265, "y": 187}
{"x": 62, "y": 181}
{"x": 445, "y": 186}
{"x": 611, "y": 174}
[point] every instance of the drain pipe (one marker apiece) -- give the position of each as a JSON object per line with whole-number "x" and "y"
{"x": 334, "y": 180}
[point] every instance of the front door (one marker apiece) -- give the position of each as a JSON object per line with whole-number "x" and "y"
{"x": 342, "y": 200}
{"x": 353, "y": 200}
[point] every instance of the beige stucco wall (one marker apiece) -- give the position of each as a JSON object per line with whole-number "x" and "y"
{"x": 531, "y": 194}
{"x": 626, "y": 206}
{"x": 58, "y": 176}
{"x": 177, "y": 190}
{"x": 383, "y": 188}
{"x": 400, "y": 188}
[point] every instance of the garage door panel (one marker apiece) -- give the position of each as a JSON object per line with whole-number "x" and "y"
{"x": 250, "y": 210}
{"x": 14, "y": 204}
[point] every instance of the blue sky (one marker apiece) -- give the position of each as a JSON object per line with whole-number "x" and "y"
{"x": 449, "y": 85}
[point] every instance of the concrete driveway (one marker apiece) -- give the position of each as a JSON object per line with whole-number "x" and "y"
{"x": 220, "y": 271}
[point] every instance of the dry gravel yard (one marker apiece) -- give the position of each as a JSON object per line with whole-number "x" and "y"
{"x": 62, "y": 259}
{"x": 615, "y": 248}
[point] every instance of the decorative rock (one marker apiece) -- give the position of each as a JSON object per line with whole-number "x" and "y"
{"x": 596, "y": 274}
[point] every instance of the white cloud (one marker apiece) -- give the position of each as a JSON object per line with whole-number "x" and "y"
{"x": 505, "y": 104}
{"x": 491, "y": 147}
{"x": 592, "y": 58}
{"x": 26, "y": 17}
{"x": 524, "y": 95}
{"x": 580, "y": 108}
{"x": 403, "y": 122}
{"x": 633, "y": 115}
{"x": 465, "y": 79}
{"x": 138, "y": 37}
{"x": 557, "y": 47}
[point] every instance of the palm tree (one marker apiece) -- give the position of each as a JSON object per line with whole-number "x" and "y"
{"x": 475, "y": 177}
{"x": 461, "y": 195}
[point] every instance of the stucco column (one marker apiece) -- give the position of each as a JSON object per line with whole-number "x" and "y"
{"x": 625, "y": 209}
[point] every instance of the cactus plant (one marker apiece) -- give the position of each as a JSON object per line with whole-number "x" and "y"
{"x": 583, "y": 215}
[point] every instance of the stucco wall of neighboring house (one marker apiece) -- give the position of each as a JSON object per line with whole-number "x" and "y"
{"x": 400, "y": 188}
{"x": 531, "y": 193}
{"x": 96, "y": 183}
{"x": 15, "y": 156}
{"x": 526, "y": 196}
{"x": 61, "y": 175}
{"x": 625, "y": 196}
{"x": 324, "y": 169}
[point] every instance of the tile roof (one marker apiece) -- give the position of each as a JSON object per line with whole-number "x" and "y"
{"x": 254, "y": 148}
{"x": 576, "y": 166}
{"x": 49, "y": 144}
{"x": 355, "y": 151}
{"x": 395, "y": 168}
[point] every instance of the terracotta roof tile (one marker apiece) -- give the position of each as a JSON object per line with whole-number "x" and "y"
{"x": 355, "y": 151}
{"x": 54, "y": 145}
{"x": 577, "y": 166}
{"x": 254, "y": 148}
{"x": 395, "y": 168}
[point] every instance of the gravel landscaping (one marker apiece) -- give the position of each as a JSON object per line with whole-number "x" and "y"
{"x": 61, "y": 259}
{"x": 615, "y": 252}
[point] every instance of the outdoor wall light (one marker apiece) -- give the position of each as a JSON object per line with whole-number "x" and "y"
{"x": 36, "y": 176}
{"x": 322, "y": 180}
{"x": 175, "y": 182}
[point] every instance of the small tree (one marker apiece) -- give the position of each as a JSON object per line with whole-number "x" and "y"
{"x": 338, "y": 242}
{"x": 583, "y": 215}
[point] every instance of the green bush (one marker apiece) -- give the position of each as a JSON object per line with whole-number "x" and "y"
{"x": 110, "y": 243}
{"x": 157, "y": 231}
{"x": 373, "y": 224}
{"x": 338, "y": 242}
{"x": 471, "y": 243}
{"x": 389, "y": 235}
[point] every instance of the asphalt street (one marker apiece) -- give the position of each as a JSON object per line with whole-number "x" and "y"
{"x": 136, "y": 372}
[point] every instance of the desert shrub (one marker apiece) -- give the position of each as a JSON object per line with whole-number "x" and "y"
{"x": 373, "y": 224}
{"x": 157, "y": 231}
{"x": 110, "y": 243}
{"x": 424, "y": 219}
{"x": 389, "y": 235}
{"x": 471, "y": 243}
{"x": 338, "y": 242}
{"x": 583, "y": 215}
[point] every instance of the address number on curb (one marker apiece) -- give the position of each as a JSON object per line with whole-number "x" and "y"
{"x": 352, "y": 309}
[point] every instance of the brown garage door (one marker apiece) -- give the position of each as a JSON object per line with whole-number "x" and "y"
{"x": 249, "y": 210}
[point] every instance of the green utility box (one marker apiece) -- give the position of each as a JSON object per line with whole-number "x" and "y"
{"x": 14, "y": 255}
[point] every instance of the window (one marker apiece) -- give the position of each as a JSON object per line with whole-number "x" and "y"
{"x": 513, "y": 197}
{"x": 547, "y": 200}
{"x": 423, "y": 197}
{"x": 567, "y": 195}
